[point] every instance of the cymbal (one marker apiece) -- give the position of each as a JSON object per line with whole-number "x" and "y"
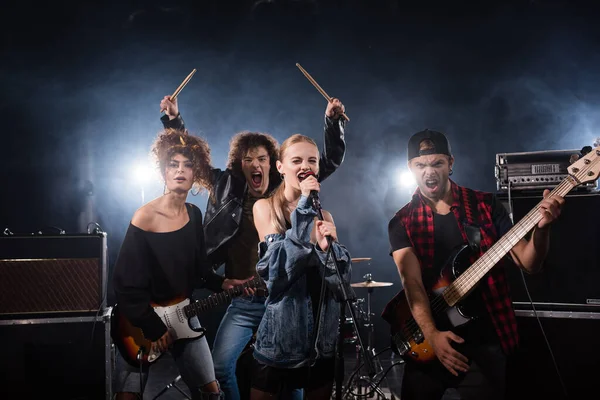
{"x": 370, "y": 284}
{"x": 357, "y": 260}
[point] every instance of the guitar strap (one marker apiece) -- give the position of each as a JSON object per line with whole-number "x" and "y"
{"x": 191, "y": 212}
{"x": 469, "y": 218}
{"x": 192, "y": 215}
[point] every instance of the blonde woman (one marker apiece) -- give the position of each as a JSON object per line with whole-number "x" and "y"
{"x": 292, "y": 261}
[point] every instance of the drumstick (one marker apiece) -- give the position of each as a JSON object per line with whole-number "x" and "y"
{"x": 316, "y": 85}
{"x": 180, "y": 88}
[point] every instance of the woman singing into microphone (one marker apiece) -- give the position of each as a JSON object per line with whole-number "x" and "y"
{"x": 294, "y": 263}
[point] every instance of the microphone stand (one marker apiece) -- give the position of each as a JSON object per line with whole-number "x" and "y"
{"x": 346, "y": 302}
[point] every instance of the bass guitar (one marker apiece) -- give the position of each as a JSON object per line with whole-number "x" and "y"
{"x": 176, "y": 315}
{"x": 449, "y": 293}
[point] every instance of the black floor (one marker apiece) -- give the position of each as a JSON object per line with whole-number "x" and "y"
{"x": 164, "y": 374}
{"x": 68, "y": 361}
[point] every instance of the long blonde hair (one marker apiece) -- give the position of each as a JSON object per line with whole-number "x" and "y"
{"x": 277, "y": 199}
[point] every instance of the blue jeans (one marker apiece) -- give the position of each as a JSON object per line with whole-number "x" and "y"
{"x": 235, "y": 331}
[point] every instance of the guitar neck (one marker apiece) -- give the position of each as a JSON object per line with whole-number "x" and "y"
{"x": 468, "y": 279}
{"x": 217, "y": 299}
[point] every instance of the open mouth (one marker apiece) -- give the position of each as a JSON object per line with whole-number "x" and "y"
{"x": 257, "y": 179}
{"x": 303, "y": 175}
{"x": 431, "y": 183}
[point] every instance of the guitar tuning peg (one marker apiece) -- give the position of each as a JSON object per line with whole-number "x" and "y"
{"x": 573, "y": 158}
{"x": 585, "y": 150}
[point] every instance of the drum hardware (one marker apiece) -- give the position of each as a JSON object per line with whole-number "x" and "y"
{"x": 358, "y": 383}
{"x": 348, "y": 332}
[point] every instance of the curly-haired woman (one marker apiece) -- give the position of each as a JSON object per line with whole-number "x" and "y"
{"x": 163, "y": 257}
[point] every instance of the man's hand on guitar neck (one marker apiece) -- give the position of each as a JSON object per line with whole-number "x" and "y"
{"x": 454, "y": 361}
{"x": 163, "y": 343}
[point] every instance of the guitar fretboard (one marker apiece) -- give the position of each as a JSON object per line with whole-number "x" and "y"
{"x": 217, "y": 299}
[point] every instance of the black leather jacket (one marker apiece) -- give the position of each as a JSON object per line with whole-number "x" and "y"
{"x": 224, "y": 211}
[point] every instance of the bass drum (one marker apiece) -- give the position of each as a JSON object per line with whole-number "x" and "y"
{"x": 243, "y": 370}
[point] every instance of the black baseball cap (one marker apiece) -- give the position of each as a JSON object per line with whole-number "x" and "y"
{"x": 438, "y": 144}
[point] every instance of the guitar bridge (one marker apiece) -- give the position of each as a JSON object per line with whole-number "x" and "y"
{"x": 401, "y": 345}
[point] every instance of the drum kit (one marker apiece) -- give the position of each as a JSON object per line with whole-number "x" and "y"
{"x": 359, "y": 384}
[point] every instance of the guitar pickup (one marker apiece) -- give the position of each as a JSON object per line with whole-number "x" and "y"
{"x": 418, "y": 336}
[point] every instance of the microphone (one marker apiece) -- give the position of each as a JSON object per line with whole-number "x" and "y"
{"x": 314, "y": 195}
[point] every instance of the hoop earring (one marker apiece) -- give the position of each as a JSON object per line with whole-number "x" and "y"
{"x": 165, "y": 190}
{"x": 195, "y": 185}
{"x": 281, "y": 176}
{"x": 451, "y": 172}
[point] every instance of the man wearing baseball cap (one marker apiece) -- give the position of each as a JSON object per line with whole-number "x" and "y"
{"x": 441, "y": 217}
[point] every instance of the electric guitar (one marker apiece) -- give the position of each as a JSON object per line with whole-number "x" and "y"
{"x": 449, "y": 292}
{"x": 175, "y": 314}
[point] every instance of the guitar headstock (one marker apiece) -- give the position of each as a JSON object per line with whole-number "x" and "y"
{"x": 586, "y": 168}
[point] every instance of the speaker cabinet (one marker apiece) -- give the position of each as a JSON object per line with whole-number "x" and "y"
{"x": 69, "y": 359}
{"x": 571, "y": 274}
{"x": 61, "y": 274}
{"x": 557, "y": 359}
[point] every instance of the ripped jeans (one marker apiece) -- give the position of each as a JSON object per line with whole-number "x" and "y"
{"x": 194, "y": 360}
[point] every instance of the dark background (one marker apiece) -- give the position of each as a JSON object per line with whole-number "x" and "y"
{"x": 81, "y": 85}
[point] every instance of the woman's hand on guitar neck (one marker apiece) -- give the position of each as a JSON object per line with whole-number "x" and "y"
{"x": 448, "y": 356}
{"x": 163, "y": 343}
{"x": 229, "y": 283}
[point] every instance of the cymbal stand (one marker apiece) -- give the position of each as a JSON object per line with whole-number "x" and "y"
{"x": 368, "y": 383}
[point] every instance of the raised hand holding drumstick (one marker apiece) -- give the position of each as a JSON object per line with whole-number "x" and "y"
{"x": 337, "y": 109}
{"x": 173, "y": 98}
{"x": 170, "y": 107}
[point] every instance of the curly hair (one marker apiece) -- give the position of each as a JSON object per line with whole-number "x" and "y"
{"x": 173, "y": 141}
{"x": 244, "y": 141}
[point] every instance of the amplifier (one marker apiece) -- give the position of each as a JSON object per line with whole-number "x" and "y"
{"x": 41, "y": 274}
{"x": 569, "y": 278}
{"x": 535, "y": 170}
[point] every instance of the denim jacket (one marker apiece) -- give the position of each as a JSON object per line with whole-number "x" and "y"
{"x": 285, "y": 334}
